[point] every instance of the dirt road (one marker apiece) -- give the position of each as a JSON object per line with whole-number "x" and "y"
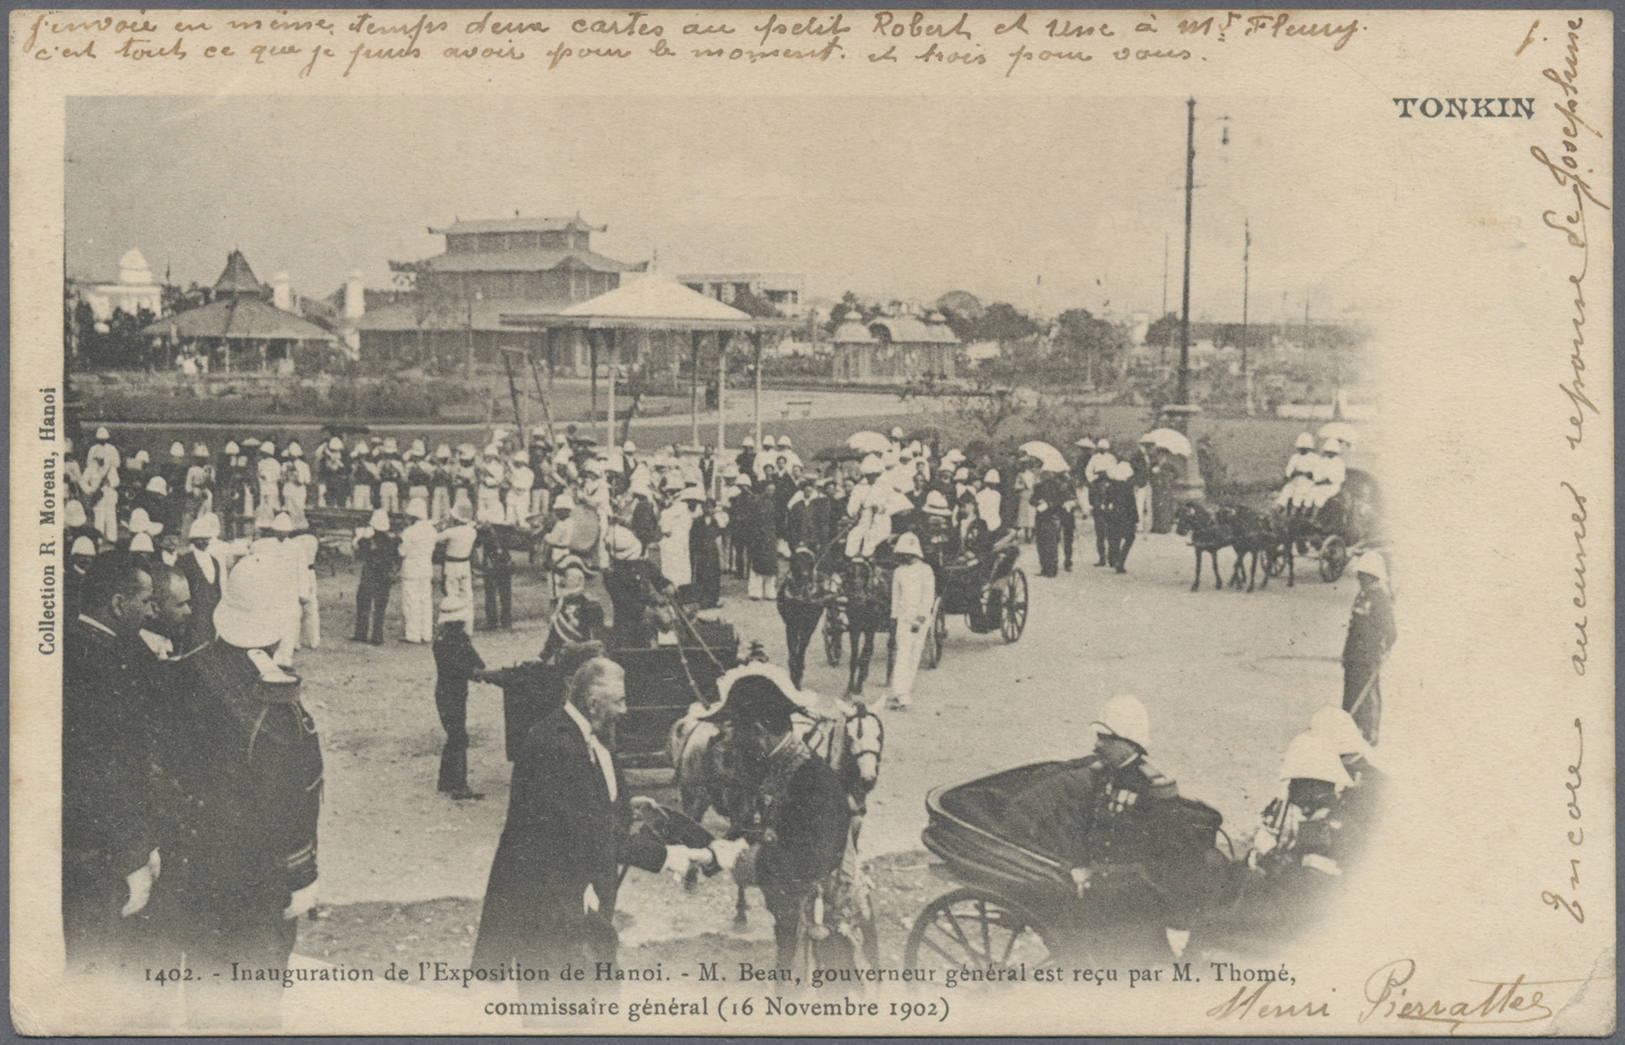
{"x": 1228, "y": 678}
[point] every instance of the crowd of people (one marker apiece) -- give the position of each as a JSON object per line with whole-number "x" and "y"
{"x": 192, "y": 772}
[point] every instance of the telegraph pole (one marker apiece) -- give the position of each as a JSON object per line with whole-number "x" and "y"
{"x": 1246, "y": 249}
{"x": 1184, "y": 392}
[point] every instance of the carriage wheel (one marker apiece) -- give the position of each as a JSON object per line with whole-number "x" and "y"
{"x": 1015, "y": 607}
{"x": 975, "y": 928}
{"x": 832, "y": 638}
{"x": 1275, "y": 565}
{"x": 933, "y": 641}
{"x": 1333, "y": 557}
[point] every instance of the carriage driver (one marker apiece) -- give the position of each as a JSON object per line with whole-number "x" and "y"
{"x": 1103, "y": 810}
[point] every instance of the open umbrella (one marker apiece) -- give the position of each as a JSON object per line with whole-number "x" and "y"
{"x": 1342, "y": 431}
{"x": 869, "y": 442}
{"x": 1049, "y": 458}
{"x": 1170, "y": 440}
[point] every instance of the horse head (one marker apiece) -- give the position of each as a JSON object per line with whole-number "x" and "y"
{"x": 1190, "y": 517}
{"x": 865, "y": 743}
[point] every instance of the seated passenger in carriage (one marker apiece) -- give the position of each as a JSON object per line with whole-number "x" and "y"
{"x": 938, "y": 538}
{"x": 1301, "y": 837}
{"x": 1330, "y": 471}
{"x": 1300, "y": 475}
{"x": 1114, "y": 811}
{"x": 871, "y": 506}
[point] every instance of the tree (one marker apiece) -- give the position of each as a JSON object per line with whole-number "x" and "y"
{"x": 1164, "y": 331}
{"x": 1004, "y": 323}
{"x": 1092, "y": 344}
{"x": 963, "y": 311}
{"x": 759, "y": 308}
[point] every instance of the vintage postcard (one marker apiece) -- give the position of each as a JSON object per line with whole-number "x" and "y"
{"x": 786, "y": 522}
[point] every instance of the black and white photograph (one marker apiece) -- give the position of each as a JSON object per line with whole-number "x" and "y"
{"x": 909, "y": 556}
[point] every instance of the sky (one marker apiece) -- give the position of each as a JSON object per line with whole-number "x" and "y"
{"x": 904, "y": 197}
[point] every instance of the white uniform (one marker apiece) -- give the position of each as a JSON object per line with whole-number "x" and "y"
{"x": 675, "y": 523}
{"x": 520, "y": 481}
{"x": 1329, "y": 475}
{"x": 492, "y": 475}
{"x": 101, "y": 489}
{"x": 417, "y": 579}
{"x": 913, "y": 591}
{"x": 310, "y": 612}
{"x": 459, "y": 576}
{"x": 270, "y": 482}
{"x": 872, "y": 505}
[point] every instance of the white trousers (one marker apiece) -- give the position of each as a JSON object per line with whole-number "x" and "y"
{"x": 310, "y": 613}
{"x": 490, "y": 506}
{"x": 1142, "y": 503}
{"x": 518, "y": 507}
{"x": 417, "y": 607}
{"x": 389, "y": 496}
{"x": 910, "y": 648}
{"x": 460, "y": 585}
{"x": 762, "y": 585}
{"x": 105, "y": 515}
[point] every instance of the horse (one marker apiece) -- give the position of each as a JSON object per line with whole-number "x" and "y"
{"x": 863, "y": 607}
{"x": 712, "y": 773}
{"x": 1208, "y": 534}
{"x": 1254, "y": 533}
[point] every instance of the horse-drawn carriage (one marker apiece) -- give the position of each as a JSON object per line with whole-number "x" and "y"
{"x": 989, "y": 590}
{"x": 1017, "y": 905}
{"x": 663, "y": 681}
{"x": 1335, "y": 533}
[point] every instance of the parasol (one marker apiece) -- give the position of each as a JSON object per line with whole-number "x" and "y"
{"x": 1342, "y": 431}
{"x": 1049, "y": 458}
{"x": 1170, "y": 440}
{"x": 869, "y": 442}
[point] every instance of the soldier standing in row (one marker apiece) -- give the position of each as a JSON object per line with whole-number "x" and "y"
{"x": 379, "y": 552}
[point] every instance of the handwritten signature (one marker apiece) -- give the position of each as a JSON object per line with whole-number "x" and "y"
{"x": 1518, "y": 1000}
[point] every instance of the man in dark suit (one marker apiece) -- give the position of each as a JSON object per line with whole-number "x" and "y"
{"x": 551, "y": 894}
{"x": 802, "y": 809}
{"x": 1122, "y": 515}
{"x": 109, "y": 834}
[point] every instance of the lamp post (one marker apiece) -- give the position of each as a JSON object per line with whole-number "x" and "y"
{"x": 1177, "y": 415}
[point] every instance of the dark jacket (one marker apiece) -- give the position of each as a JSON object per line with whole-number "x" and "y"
{"x": 244, "y": 758}
{"x": 804, "y": 817}
{"x": 1052, "y": 492}
{"x": 455, "y": 660}
{"x": 1086, "y": 813}
{"x": 562, "y": 833}
{"x": 762, "y": 533}
{"x": 1371, "y": 627}
{"x": 205, "y": 597}
{"x": 108, "y": 819}
{"x": 380, "y": 557}
{"x": 1119, "y": 506}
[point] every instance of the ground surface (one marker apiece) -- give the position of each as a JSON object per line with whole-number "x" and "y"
{"x": 1228, "y": 677}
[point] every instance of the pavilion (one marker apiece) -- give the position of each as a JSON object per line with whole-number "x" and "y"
{"x": 238, "y": 319}
{"x": 649, "y": 306}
